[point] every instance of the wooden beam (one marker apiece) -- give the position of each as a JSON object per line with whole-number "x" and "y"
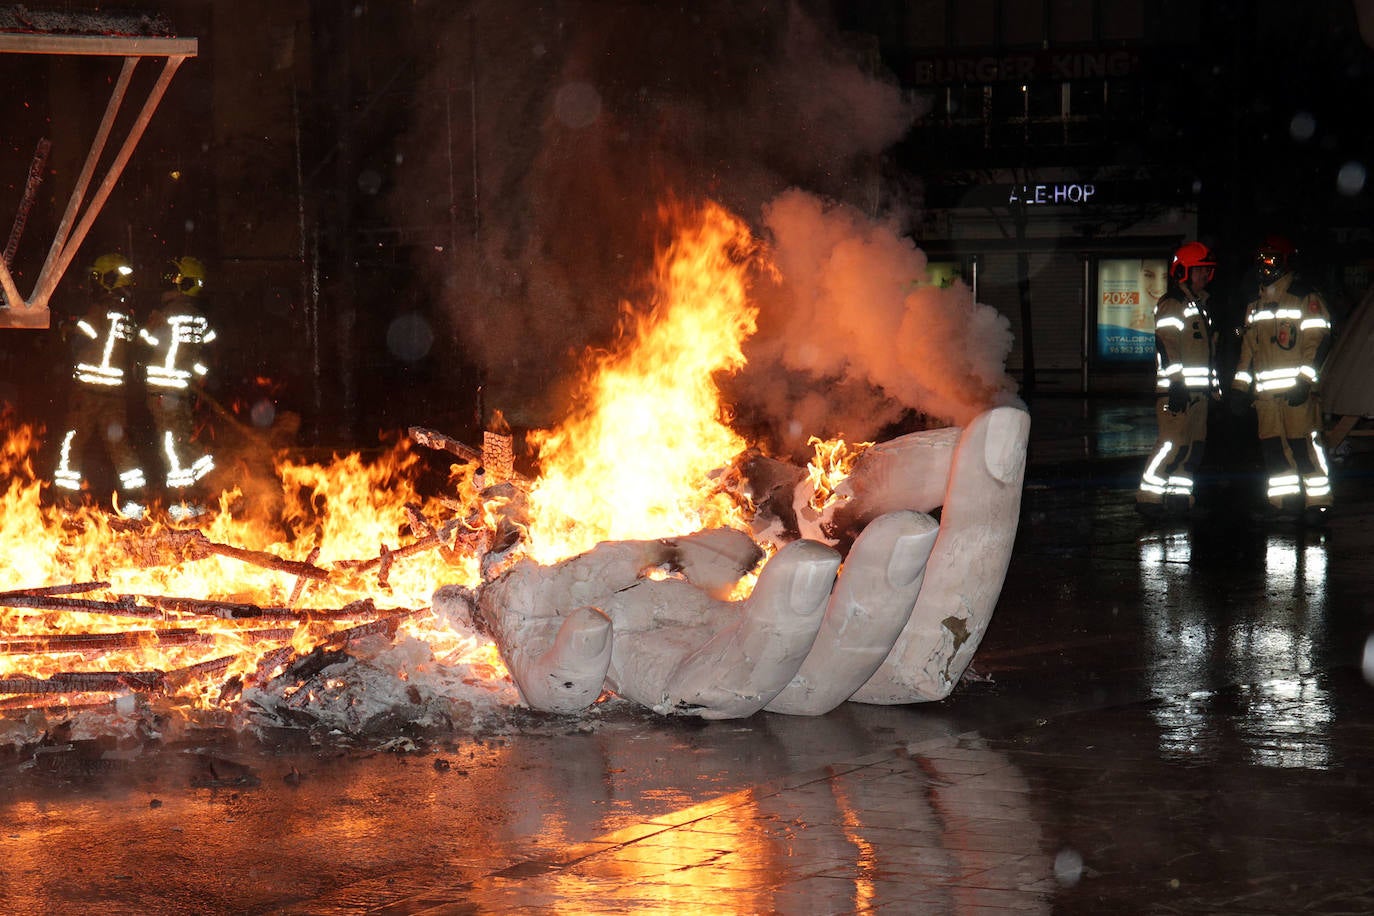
{"x": 97, "y": 45}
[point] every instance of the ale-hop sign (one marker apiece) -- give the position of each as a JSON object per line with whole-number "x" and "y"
{"x": 1034, "y": 194}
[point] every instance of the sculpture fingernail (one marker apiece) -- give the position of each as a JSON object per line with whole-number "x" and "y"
{"x": 1005, "y": 445}
{"x": 909, "y": 556}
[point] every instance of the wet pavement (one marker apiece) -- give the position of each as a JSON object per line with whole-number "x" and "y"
{"x": 1161, "y": 719}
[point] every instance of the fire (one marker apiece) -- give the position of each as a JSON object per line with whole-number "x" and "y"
{"x": 336, "y": 513}
{"x": 833, "y": 462}
{"x": 642, "y": 455}
{"x": 637, "y": 456}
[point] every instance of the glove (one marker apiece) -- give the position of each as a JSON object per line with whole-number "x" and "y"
{"x": 1240, "y": 403}
{"x": 1178, "y": 398}
{"x": 1299, "y": 393}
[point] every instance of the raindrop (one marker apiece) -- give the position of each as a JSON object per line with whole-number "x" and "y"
{"x": 263, "y": 413}
{"x": 1350, "y": 179}
{"x": 409, "y": 337}
{"x": 369, "y": 182}
{"x": 190, "y": 225}
{"x": 114, "y": 432}
{"x": 1367, "y": 663}
{"x": 577, "y": 105}
{"x": 1302, "y": 127}
{"x": 1068, "y": 867}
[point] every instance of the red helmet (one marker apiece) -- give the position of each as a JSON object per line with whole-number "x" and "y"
{"x": 1274, "y": 257}
{"x": 1191, "y": 255}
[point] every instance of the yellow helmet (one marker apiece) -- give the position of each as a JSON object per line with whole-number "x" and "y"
{"x": 185, "y": 274}
{"x": 111, "y": 272}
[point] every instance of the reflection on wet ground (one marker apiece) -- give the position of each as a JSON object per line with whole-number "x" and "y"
{"x": 1161, "y": 719}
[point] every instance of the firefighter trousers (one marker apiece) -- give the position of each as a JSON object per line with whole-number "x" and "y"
{"x": 1294, "y": 458}
{"x": 101, "y": 412}
{"x": 1177, "y": 453}
{"x": 185, "y": 465}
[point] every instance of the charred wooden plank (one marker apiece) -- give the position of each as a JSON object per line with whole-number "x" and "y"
{"x": 83, "y": 682}
{"x": 237, "y": 610}
{"x": 74, "y": 588}
{"x": 433, "y": 439}
{"x": 87, "y": 642}
{"x": 171, "y": 546}
{"x": 419, "y": 525}
{"x": 269, "y": 561}
{"x": 124, "y": 606}
{"x": 299, "y": 587}
{"x": 440, "y": 538}
{"x": 383, "y": 625}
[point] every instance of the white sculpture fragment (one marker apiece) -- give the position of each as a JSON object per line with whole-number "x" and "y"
{"x": 897, "y": 624}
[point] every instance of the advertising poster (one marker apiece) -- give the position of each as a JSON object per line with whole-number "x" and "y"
{"x": 1127, "y": 290}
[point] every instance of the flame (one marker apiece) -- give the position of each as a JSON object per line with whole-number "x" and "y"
{"x": 645, "y": 453}
{"x": 636, "y": 457}
{"x": 336, "y": 512}
{"x": 833, "y": 462}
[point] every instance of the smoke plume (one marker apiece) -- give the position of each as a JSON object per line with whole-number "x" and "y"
{"x": 564, "y": 126}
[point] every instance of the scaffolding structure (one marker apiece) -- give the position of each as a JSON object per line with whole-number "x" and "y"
{"x": 16, "y": 311}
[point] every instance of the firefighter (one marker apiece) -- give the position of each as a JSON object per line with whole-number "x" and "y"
{"x": 177, "y": 334}
{"x": 1185, "y": 382}
{"x": 98, "y": 402}
{"x": 1287, "y": 333}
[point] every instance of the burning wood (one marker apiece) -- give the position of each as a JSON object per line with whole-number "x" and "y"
{"x": 126, "y": 606}
{"x": 171, "y": 546}
{"x": 83, "y": 682}
{"x": 96, "y": 642}
{"x": 299, "y": 587}
{"x": 237, "y": 610}
{"x": 76, "y": 588}
{"x": 499, "y": 462}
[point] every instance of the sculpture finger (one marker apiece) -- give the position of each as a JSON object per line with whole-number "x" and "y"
{"x": 743, "y": 667}
{"x": 559, "y": 663}
{"x": 716, "y": 559}
{"x": 909, "y": 472}
{"x": 967, "y": 566}
{"x": 868, "y": 608}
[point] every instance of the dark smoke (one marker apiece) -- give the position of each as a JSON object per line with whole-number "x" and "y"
{"x": 587, "y": 116}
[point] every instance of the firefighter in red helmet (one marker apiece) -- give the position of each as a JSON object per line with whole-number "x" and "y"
{"x": 1287, "y": 334}
{"x": 1185, "y": 383}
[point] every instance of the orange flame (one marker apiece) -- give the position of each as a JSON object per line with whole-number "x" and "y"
{"x": 833, "y": 462}
{"x": 636, "y": 457}
{"x": 643, "y": 455}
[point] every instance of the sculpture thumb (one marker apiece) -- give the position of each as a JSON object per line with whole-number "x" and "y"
{"x": 964, "y": 576}
{"x": 743, "y": 667}
{"x": 868, "y": 608}
{"x": 560, "y": 663}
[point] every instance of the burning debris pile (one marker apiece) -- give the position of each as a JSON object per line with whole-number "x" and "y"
{"x": 137, "y": 628}
{"x": 656, "y": 555}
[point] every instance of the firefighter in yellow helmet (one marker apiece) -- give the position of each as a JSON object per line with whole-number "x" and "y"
{"x": 178, "y": 333}
{"x": 98, "y": 402}
{"x": 1287, "y": 334}
{"x": 1185, "y": 383}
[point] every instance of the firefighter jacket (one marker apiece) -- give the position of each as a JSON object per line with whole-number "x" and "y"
{"x": 1184, "y": 347}
{"x": 1286, "y": 335}
{"x": 101, "y": 344}
{"x": 178, "y": 334}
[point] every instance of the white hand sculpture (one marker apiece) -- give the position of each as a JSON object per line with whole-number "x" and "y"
{"x": 900, "y": 621}
{"x": 671, "y": 645}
